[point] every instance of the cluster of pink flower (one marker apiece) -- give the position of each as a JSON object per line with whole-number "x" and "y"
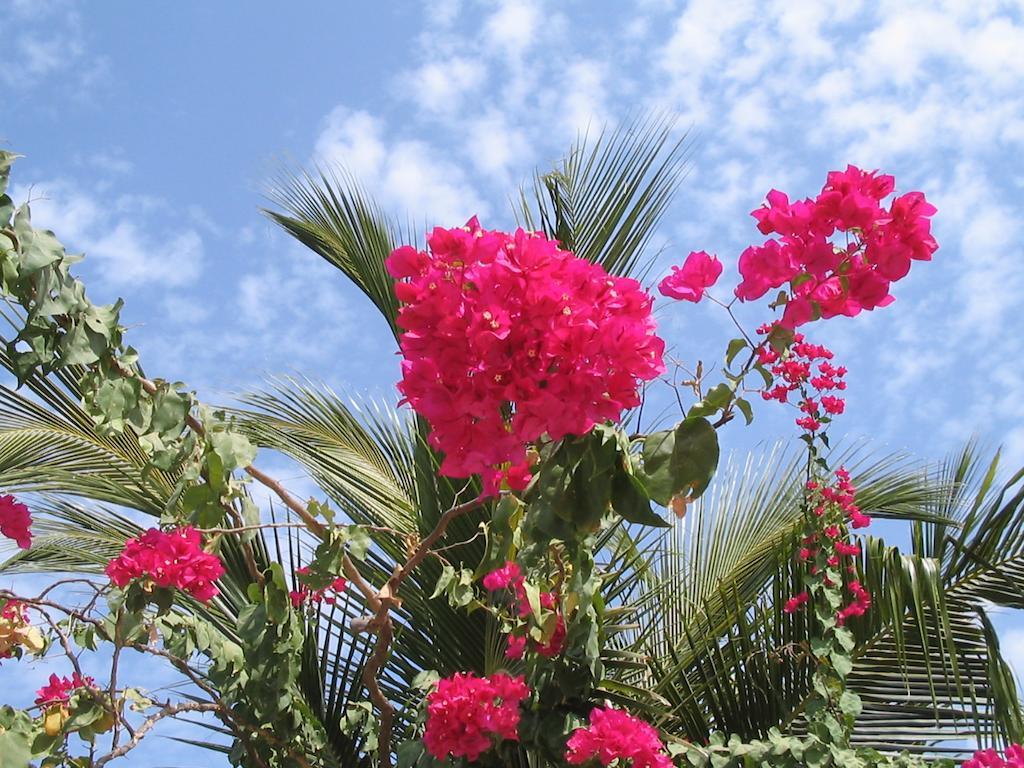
{"x": 15, "y": 521}
{"x": 616, "y": 735}
{"x": 507, "y": 338}
{"x": 172, "y": 559}
{"x": 14, "y": 611}
{"x": 305, "y": 594}
{"x": 466, "y": 714}
{"x": 858, "y": 606}
{"x": 510, "y": 577}
{"x": 836, "y": 506}
{"x": 828, "y": 280}
{"x": 13, "y": 622}
{"x": 795, "y": 371}
{"x": 59, "y": 689}
{"x": 843, "y": 496}
{"x": 990, "y": 758}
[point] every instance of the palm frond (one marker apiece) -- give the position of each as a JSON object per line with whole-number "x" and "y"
{"x": 329, "y": 213}
{"x": 605, "y": 199}
{"x": 362, "y": 459}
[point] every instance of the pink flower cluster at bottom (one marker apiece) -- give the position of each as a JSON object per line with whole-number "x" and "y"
{"x": 989, "y": 758}
{"x": 58, "y": 689}
{"x": 466, "y": 714}
{"x": 616, "y": 735}
{"x": 171, "y": 559}
{"x": 15, "y": 521}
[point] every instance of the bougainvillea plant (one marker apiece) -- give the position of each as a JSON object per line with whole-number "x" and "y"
{"x": 521, "y": 359}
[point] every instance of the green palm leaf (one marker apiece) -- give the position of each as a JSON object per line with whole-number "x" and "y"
{"x": 605, "y": 199}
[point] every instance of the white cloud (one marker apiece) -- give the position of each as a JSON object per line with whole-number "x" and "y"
{"x": 494, "y": 146}
{"x": 353, "y": 140}
{"x": 439, "y": 86}
{"x": 512, "y": 28}
{"x": 409, "y": 177}
{"x": 46, "y": 40}
{"x": 132, "y": 258}
{"x": 442, "y": 13}
{"x": 699, "y": 37}
{"x": 583, "y": 100}
{"x": 129, "y": 253}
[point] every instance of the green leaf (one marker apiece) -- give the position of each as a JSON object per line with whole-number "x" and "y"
{"x": 842, "y": 663}
{"x": 358, "y": 541}
{"x": 16, "y": 735}
{"x": 714, "y": 400}
{"x": 170, "y": 409}
{"x": 77, "y": 347}
{"x": 409, "y": 753}
{"x": 234, "y": 449}
{"x": 780, "y": 338}
{"x": 630, "y": 501}
{"x": 735, "y": 347}
{"x": 444, "y": 581}
{"x": 43, "y": 250}
{"x": 850, "y": 704}
{"x": 680, "y": 461}
{"x": 744, "y": 407}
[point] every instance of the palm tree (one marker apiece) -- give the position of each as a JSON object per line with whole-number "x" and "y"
{"x": 696, "y": 638}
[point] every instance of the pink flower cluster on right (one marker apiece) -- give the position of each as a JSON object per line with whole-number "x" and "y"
{"x": 15, "y": 521}
{"x": 58, "y": 690}
{"x": 616, "y": 735}
{"x": 827, "y": 279}
{"x": 169, "y": 559}
{"x": 990, "y": 758}
{"x": 794, "y": 369}
{"x": 467, "y": 715}
{"x": 507, "y": 337}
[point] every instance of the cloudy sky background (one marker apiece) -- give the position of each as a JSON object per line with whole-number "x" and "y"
{"x": 152, "y": 132}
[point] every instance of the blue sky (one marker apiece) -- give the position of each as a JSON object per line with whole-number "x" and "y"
{"x": 151, "y": 132}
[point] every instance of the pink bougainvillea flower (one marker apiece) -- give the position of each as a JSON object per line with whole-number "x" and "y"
{"x": 307, "y": 595}
{"x": 794, "y": 372}
{"x": 58, "y": 690}
{"x": 616, "y": 735}
{"x": 515, "y": 647}
{"x": 794, "y": 603}
{"x": 15, "y": 521}
{"x": 509, "y": 576}
{"x": 169, "y": 559}
{"x": 830, "y": 279}
{"x": 859, "y": 606}
{"x": 763, "y": 268}
{"x": 467, "y": 715}
{"x": 844, "y": 548}
{"x": 556, "y": 643}
{"x": 688, "y": 282}
{"x": 990, "y": 758}
{"x": 507, "y": 337}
